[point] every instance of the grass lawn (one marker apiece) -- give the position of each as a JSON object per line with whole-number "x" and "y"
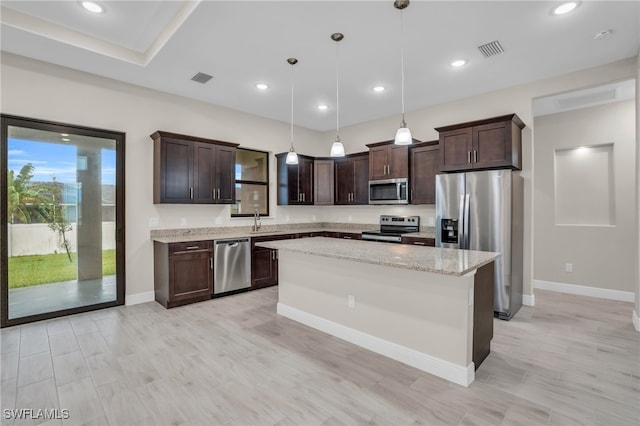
{"x": 25, "y": 271}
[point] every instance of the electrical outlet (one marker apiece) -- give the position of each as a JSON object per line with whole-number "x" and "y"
{"x": 351, "y": 301}
{"x": 183, "y": 221}
{"x": 154, "y": 222}
{"x": 431, "y": 221}
{"x": 568, "y": 267}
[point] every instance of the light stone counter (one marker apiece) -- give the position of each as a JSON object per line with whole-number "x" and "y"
{"x": 185, "y": 235}
{"x": 428, "y": 259}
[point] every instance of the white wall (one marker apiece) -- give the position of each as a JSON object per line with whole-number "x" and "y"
{"x": 39, "y": 90}
{"x": 38, "y": 238}
{"x": 602, "y": 255}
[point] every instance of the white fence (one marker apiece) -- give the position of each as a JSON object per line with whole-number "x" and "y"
{"x": 37, "y": 238}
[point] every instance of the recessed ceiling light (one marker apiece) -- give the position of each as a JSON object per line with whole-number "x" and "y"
{"x": 456, "y": 63}
{"x": 378, "y": 89}
{"x": 64, "y": 134}
{"x": 66, "y": 139}
{"x": 323, "y": 107}
{"x": 262, "y": 86}
{"x": 564, "y": 8}
{"x": 92, "y": 7}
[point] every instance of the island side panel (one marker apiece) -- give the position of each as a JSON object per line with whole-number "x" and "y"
{"x": 483, "y": 289}
{"x": 428, "y": 313}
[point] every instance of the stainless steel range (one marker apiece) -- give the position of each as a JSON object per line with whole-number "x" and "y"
{"x": 392, "y": 228}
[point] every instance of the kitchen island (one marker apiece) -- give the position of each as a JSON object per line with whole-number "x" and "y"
{"x": 427, "y": 307}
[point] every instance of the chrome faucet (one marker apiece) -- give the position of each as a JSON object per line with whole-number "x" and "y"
{"x": 256, "y": 220}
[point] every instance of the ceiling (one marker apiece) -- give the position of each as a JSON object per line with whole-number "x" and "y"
{"x": 162, "y": 44}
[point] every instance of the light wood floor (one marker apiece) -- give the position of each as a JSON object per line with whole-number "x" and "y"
{"x": 570, "y": 360}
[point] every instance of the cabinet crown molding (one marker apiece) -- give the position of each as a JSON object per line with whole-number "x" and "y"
{"x": 509, "y": 117}
{"x": 162, "y": 134}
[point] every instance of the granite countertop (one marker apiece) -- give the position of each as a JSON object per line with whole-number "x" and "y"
{"x": 245, "y": 234}
{"x": 203, "y": 234}
{"x": 429, "y": 259}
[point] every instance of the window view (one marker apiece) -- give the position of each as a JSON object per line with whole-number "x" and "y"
{"x": 252, "y": 183}
{"x": 61, "y": 221}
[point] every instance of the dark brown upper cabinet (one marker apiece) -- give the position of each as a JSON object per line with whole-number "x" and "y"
{"x": 352, "y": 179}
{"x": 424, "y": 164}
{"x": 493, "y": 143}
{"x": 388, "y": 161}
{"x": 323, "y": 181}
{"x": 295, "y": 181}
{"x": 192, "y": 170}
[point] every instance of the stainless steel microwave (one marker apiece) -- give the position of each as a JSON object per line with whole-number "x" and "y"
{"x": 388, "y": 191}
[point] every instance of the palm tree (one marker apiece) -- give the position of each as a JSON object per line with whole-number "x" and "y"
{"x": 27, "y": 202}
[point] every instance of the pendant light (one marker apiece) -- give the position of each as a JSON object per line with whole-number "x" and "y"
{"x": 337, "y": 149}
{"x": 403, "y": 135}
{"x": 292, "y": 157}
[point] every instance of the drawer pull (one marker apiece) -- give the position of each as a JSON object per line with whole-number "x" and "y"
{"x": 193, "y": 247}
{"x": 418, "y": 243}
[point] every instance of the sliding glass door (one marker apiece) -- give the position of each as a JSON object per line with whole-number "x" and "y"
{"x": 62, "y": 219}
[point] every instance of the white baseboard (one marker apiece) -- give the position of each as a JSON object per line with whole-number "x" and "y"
{"x": 601, "y": 293}
{"x": 636, "y": 320}
{"x": 454, "y": 373}
{"x": 529, "y": 299}
{"x": 135, "y": 299}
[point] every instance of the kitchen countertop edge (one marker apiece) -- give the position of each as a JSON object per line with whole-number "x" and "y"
{"x": 418, "y": 258}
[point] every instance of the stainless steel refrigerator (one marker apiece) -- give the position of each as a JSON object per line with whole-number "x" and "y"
{"x": 484, "y": 211}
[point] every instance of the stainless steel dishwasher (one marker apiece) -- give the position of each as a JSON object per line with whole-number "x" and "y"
{"x": 232, "y": 265}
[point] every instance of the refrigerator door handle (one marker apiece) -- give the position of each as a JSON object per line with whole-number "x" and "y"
{"x": 461, "y": 216}
{"x": 465, "y": 229}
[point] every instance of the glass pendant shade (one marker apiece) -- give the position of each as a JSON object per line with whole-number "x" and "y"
{"x": 337, "y": 149}
{"x": 403, "y": 135}
{"x": 292, "y": 157}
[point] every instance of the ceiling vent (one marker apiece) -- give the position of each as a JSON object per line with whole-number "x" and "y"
{"x": 201, "y": 77}
{"x": 491, "y": 49}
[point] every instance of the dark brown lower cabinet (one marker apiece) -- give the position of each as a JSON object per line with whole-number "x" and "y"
{"x": 419, "y": 241}
{"x": 183, "y": 272}
{"x": 264, "y": 262}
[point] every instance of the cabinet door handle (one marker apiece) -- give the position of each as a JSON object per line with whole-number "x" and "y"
{"x": 191, "y": 193}
{"x": 418, "y": 243}
{"x": 475, "y": 155}
{"x": 469, "y": 157}
{"x": 346, "y": 237}
{"x": 213, "y": 194}
{"x": 273, "y": 255}
{"x": 218, "y": 193}
{"x": 304, "y": 197}
{"x": 211, "y": 263}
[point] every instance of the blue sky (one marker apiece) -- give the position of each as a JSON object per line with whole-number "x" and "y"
{"x": 54, "y": 160}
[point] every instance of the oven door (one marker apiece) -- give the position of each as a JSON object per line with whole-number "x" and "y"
{"x": 388, "y": 191}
